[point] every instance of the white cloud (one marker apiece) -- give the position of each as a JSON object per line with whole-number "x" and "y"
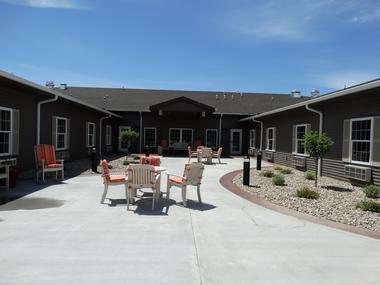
{"x": 367, "y": 16}
{"x": 63, "y": 4}
{"x": 339, "y": 80}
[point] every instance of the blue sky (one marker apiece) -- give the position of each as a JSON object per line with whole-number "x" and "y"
{"x": 258, "y": 46}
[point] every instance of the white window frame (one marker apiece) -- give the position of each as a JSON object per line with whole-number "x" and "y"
{"x": 108, "y": 134}
{"x": 296, "y": 140}
{"x": 56, "y": 133}
{"x": 155, "y": 135}
{"x": 252, "y": 142}
{"x": 273, "y": 139}
{"x": 370, "y": 140}
{"x": 216, "y": 137}
{"x": 93, "y": 134}
{"x": 8, "y": 132}
{"x": 180, "y": 135}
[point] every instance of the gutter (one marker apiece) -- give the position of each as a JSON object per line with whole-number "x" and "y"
{"x": 261, "y": 131}
{"x": 140, "y": 132}
{"x": 39, "y": 116}
{"x": 320, "y": 133}
{"x": 100, "y": 133}
{"x": 220, "y": 129}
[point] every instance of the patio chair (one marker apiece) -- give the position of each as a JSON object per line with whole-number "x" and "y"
{"x": 217, "y": 154}
{"x": 192, "y": 175}
{"x": 150, "y": 160}
{"x": 142, "y": 176}
{"x": 111, "y": 180}
{"x": 191, "y": 153}
{"x": 44, "y": 155}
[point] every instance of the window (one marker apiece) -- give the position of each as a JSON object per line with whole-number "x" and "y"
{"x": 271, "y": 139}
{"x": 149, "y": 136}
{"x": 361, "y": 140}
{"x": 61, "y": 133}
{"x": 181, "y": 136}
{"x": 212, "y": 138}
{"x": 300, "y": 139}
{"x": 252, "y": 138}
{"x": 5, "y": 131}
{"x": 108, "y": 135}
{"x": 91, "y": 131}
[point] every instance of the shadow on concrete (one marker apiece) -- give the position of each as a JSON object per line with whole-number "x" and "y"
{"x": 144, "y": 206}
{"x": 32, "y": 204}
{"x": 337, "y": 188}
{"x": 24, "y": 188}
{"x": 195, "y": 205}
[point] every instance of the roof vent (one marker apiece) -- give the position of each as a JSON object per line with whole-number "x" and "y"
{"x": 49, "y": 84}
{"x": 217, "y": 96}
{"x": 224, "y": 96}
{"x": 314, "y": 92}
{"x": 63, "y": 86}
{"x": 296, "y": 94}
{"x": 232, "y": 97}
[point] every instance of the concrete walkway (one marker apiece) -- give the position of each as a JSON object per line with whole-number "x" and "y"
{"x": 63, "y": 235}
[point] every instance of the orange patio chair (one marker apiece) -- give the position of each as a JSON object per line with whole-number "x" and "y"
{"x": 191, "y": 153}
{"x": 217, "y": 154}
{"x": 110, "y": 180}
{"x": 150, "y": 160}
{"x": 46, "y": 162}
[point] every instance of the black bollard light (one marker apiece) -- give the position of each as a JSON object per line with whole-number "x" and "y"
{"x": 246, "y": 171}
{"x": 94, "y": 160}
{"x": 147, "y": 151}
{"x": 258, "y": 160}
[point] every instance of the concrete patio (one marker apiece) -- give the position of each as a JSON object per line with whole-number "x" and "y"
{"x": 61, "y": 234}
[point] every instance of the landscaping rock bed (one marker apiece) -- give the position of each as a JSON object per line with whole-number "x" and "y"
{"x": 337, "y": 200}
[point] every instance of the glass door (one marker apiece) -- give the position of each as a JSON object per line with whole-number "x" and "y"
{"x": 122, "y": 145}
{"x": 235, "y": 141}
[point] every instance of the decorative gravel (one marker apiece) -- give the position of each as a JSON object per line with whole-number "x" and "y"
{"x": 337, "y": 200}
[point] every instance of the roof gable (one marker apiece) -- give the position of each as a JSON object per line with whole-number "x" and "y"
{"x": 182, "y": 104}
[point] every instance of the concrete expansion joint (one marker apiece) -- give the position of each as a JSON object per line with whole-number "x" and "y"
{"x": 196, "y": 248}
{"x": 243, "y": 209}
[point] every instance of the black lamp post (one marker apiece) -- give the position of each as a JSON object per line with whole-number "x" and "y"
{"x": 246, "y": 168}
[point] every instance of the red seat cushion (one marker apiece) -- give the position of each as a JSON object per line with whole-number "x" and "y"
{"x": 117, "y": 178}
{"x": 53, "y": 165}
{"x": 176, "y": 180}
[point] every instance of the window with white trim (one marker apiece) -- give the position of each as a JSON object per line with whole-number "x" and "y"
{"x": 361, "y": 140}
{"x": 150, "y": 137}
{"x": 180, "y": 136}
{"x": 252, "y": 138}
{"x": 271, "y": 140}
{"x": 5, "y": 131}
{"x": 300, "y": 139}
{"x": 212, "y": 138}
{"x": 60, "y": 133}
{"x": 108, "y": 135}
{"x": 91, "y": 129}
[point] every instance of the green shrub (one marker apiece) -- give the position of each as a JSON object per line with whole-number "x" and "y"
{"x": 267, "y": 173}
{"x": 305, "y": 192}
{"x": 278, "y": 168}
{"x": 309, "y": 175}
{"x": 371, "y": 206}
{"x": 278, "y": 180}
{"x": 286, "y": 171}
{"x": 126, "y": 162}
{"x": 372, "y": 191}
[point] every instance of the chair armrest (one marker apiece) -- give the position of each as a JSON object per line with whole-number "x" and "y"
{"x": 60, "y": 161}
{"x": 168, "y": 175}
{"x": 158, "y": 176}
{"x": 40, "y": 163}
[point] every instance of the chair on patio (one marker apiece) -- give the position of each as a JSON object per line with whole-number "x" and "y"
{"x": 142, "y": 176}
{"x": 191, "y": 153}
{"x": 192, "y": 175}
{"x": 110, "y": 180}
{"x": 46, "y": 162}
{"x": 217, "y": 154}
{"x": 150, "y": 160}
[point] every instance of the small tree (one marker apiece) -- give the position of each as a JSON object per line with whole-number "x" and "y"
{"x": 317, "y": 146}
{"x": 127, "y": 137}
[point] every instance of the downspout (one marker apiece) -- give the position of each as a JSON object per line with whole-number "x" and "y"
{"x": 140, "y": 131}
{"x": 220, "y": 130}
{"x": 320, "y": 133}
{"x": 100, "y": 133}
{"x": 261, "y": 132}
{"x": 39, "y": 116}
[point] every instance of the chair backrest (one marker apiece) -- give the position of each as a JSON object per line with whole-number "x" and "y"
{"x": 150, "y": 160}
{"x": 189, "y": 150}
{"x": 164, "y": 143}
{"x": 193, "y": 173}
{"x": 141, "y": 176}
{"x": 106, "y": 170}
{"x": 220, "y": 152}
{"x": 206, "y": 152}
{"x": 45, "y": 152}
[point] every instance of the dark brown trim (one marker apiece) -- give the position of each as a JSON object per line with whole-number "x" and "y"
{"x": 227, "y": 183}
